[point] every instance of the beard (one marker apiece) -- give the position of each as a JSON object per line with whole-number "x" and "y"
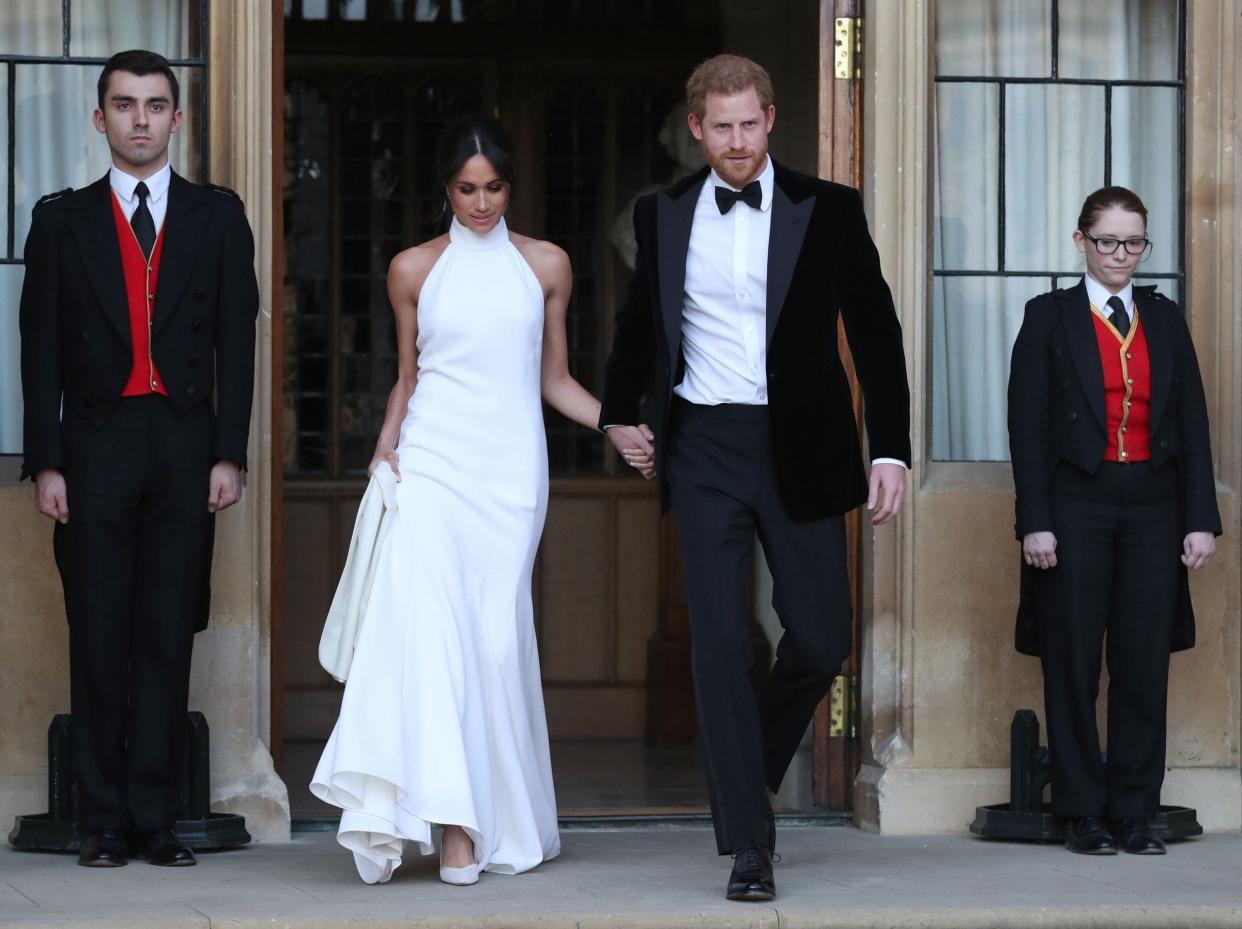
{"x": 733, "y": 173}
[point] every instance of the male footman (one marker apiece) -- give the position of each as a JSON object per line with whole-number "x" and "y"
{"x": 138, "y": 309}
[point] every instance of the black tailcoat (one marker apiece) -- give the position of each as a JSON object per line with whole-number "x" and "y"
{"x": 135, "y": 555}
{"x": 1056, "y": 414}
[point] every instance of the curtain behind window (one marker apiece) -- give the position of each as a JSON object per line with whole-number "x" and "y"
{"x": 1054, "y": 155}
{"x": 55, "y": 144}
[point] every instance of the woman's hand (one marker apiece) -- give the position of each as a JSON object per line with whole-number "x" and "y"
{"x": 1198, "y": 549}
{"x": 384, "y": 452}
{"x": 1040, "y": 549}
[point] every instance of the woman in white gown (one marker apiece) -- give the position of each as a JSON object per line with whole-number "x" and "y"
{"x": 442, "y": 719}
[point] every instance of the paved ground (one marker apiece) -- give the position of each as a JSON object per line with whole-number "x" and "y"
{"x": 649, "y": 878}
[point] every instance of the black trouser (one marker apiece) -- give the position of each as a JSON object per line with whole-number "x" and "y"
{"x": 133, "y": 559}
{"x": 1119, "y": 539}
{"x": 721, "y": 474}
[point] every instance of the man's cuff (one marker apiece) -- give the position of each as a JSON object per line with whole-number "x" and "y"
{"x": 896, "y": 461}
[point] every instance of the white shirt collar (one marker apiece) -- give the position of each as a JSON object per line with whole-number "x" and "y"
{"x": 1098, "y": 294}
{"x": 765, "y": 179}
{"x": 124, "y": 184}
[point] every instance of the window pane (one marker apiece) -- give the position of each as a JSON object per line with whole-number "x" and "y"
{"x": 314, "y": 9}
{"x": 1170, "y": 288}
{"x": 4, "y": 148}
{"x": 353, "y": 9}
{"x": 105, "y": 27}
{"x": 56, "y": 145}
{"x": 1011, "y": 38}
{"x": 10, "y": 361}
{"x": 975, "y": 321}
{"x": 966, "y": 219}
{"x": 1145, "y": 159}
{"x": 1118, "y": 39}
{"x": 31, "y": 27}
{"x": 1054, "y": 157}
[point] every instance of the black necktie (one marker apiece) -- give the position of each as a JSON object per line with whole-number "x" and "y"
{"x": 751, "y": 195}
{"x": 141, "y": 222}
{"x": 1118, "y": 317}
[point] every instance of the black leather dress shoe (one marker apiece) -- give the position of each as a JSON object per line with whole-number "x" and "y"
{"x": 162, "y": 847}
{"x": 1088, "y": 835}
{"x": 752, "y": 875}
{"x": 108, "y": 848}
{"x": 1135, "y": 837}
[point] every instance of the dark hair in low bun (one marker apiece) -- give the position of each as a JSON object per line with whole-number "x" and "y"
{"x": 464, "y": 138}
{"x": 1105, "y": 199}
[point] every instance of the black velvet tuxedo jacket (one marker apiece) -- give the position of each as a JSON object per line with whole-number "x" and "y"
{"x": 75, "y": 317}
{"x": 1057, "y": 415}
{"x": 821, "y": 263}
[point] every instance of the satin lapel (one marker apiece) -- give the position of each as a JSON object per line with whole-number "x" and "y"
{"x": 94, "y": 229}
{"x": 673, "y": 221}
{"x": 1084, "y": 348}
{"x": 184, "y": 225}
{"x": 788, "y": 229}
{"x": 1159, "y": 352}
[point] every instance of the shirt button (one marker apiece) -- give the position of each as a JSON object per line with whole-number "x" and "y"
{"x": 1129, "y": 380}
{"x": 1128, "y": 355}
{"x": 1124, "y": 455}
{"x": 763, "y": 395}
{"x": 1123, "y": 429}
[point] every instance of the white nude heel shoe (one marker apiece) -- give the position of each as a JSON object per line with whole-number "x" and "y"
{"x": 459, "y": 877}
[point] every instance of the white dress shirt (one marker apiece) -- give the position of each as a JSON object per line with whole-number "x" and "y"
{"x": 725, "y": 302}
{"x": 157, "y": 197}
{"x": 724, "y": 309}
{"x": 1098, "y": 294}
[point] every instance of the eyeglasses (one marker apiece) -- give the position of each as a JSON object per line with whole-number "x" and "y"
{"x": 1106, "y": 245}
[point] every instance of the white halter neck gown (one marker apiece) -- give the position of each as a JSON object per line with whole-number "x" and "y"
{"x": 442, "y": 719}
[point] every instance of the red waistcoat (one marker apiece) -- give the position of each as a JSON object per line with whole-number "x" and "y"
{"x": 141, "y": 278}
{"x": 1127, "y": 390}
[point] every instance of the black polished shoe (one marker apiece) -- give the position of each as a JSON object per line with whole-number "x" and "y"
{"x": 107, "y": 848}
{"x": 752, "y": 875}
{"x": 1088, "y": 835}
{"x": 162, "y": 847}
{"x": 1135, "y": 837}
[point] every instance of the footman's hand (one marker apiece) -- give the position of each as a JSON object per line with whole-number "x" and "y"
{"x": 224, "y": 486}
{"x": 1198, "y": 549}
{"x": 51, "y": 497}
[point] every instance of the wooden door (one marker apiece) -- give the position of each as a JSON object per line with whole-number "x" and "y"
{"x": 835, "y": 755}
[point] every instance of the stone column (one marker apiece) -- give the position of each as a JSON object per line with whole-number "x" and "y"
{"x": 232, "y": 659}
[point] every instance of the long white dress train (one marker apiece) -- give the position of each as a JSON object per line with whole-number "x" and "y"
{"x": 442, "y": 719}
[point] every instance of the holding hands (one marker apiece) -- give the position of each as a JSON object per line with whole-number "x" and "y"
{"x": 634, "y": 444}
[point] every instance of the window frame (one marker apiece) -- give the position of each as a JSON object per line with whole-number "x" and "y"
{"x": 1002, "y": 83}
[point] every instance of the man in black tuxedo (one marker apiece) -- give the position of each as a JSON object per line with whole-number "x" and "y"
{"x": 138, "y": 305}
{"x": 742, "y": 269}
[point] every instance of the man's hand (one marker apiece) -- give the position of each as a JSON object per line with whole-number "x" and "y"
{"x": 888, "y": 487}
{"x": 224, "y": 487}
{"x": 1198, "y": 549}
{"x": 635, "y": 445}
{"x": 50, "y": 495}
{"x": 1039, "y": 549}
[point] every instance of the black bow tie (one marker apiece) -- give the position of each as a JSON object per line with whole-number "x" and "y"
{"x": 751, "y": 195}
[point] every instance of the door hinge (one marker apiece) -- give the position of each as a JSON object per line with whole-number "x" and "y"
{"x": 847, "y": 59}
{"x": 843, "y": 707}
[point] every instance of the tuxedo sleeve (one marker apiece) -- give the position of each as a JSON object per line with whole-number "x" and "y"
{"x": 874, "y": 335}
{"x": 1195, "y": 456}
{"x": 1029, "y": 423}
{"x": 238, "y": 308}
{"x": 39, "y": 322}
{"x": 633, "y": 343}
